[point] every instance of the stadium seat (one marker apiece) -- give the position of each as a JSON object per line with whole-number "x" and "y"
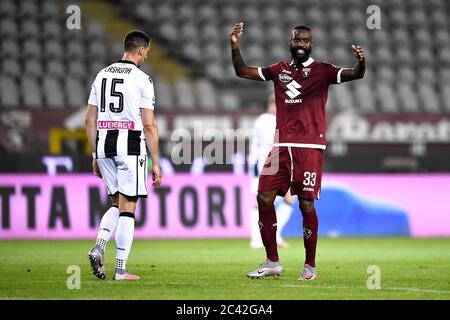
{"x": 365, "y": 97}
{"x": 75, "y": 50}
{"x": 387, "y": 99}
{"x": 185, "y": 99}
{"x": 28, "y": 9}
{"x": 53, "y": 50}
{"x": 31, "y": 48}
{"x": 75, "y": 92}
{"x": 30, "y": 29}
{"x": 163, "y": 93}
{"x": 52, "y": 29}
{"x": 439, "y": 18}
{"x": 33, "y": 69}
{"x": 206, "y": 95}
{"x": 427, "y": 75}
{"x": 429, "y": 101}
{"x": 144, "y": 12}
{"x": 445, "y": 96}
{"x": 206, "y": 13}
{"x": 10, "y": 48}
{"x": 406, "y": 75}
{"x": 168, "y": 31}
{"x": 442, "y": 37}
{"x": 9, "y": 93}
{"x": 270, "y": 14}
{"x": 211, "y": 53}
{"x": 188, "y": 32}
{"x": 165, "y": 12}
{"x": 229, "y": 101}
{"x": 77, "y": 69}
{"x": 215, "y": 71}
{"x": 32, "y": 99}
{"x": 50, "y": 10}
{"x": 444, "y": 54}
{"x": 96, "y": 50}
{"x": 8, "y": 28}
{"x": 192, "y": 51}
{"x": 53, "y": 93}
{"x": 343, "y": 98}
{"x": 11, "y": 68}
{"x": 7, "y": 8}
{"x": 404, "y": 56}
{"x": 424, "y": 56}
{"x": 407, "y": 98}
{"x": 55, "y": 69}
{"x": 210, "y": 32}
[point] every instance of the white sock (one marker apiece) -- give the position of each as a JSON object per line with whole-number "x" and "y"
{"x": 124, "y": 240}
{"x": 255, "y": 235}
{"x": 107, "y": 227}
{"x": 284, "y": 211}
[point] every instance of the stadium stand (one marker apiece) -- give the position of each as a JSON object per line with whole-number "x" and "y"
{"x": 405, "y": 55}
{"x": 408, "y": 70}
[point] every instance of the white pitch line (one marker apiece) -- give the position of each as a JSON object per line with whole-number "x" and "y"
{"x": 419, "y": 290}
{"x": 382, "y": 288}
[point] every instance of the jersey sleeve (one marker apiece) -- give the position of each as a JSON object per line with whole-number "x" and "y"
{"x": 268, "y": 73}
{"x": 93, "y": 95}
{"x": 148, "y": 99}
{"x": 332, "y": 73}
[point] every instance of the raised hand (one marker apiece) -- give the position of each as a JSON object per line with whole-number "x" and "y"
{"x": 236, "y": 33}
{"x": 358, "y": 52}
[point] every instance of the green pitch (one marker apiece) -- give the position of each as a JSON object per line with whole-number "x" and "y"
{"x": 215, "y": 269}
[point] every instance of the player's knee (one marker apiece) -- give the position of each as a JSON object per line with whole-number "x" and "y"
{"x": 264, "y": 200}
{"x": 115, "y": 200}
{"x": 306, "y": 206}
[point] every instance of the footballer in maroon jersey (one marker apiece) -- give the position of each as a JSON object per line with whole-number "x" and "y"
{"x": 295, "y": 162}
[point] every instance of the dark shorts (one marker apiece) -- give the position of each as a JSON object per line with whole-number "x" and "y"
{"x": 299, "y": 169}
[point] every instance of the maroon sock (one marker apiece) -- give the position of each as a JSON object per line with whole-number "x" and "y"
{"x": 268, "y": 230}
{"x": 310, "y": 227}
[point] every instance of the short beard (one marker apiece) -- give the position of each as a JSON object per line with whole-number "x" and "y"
{"x": 305, "y": 56}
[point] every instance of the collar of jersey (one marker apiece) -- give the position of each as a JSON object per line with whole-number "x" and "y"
{"x": 306, "y": 63}
{"x": 126, "y": 61}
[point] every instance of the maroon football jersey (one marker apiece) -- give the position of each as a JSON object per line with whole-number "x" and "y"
{"x": 301, "y": 94}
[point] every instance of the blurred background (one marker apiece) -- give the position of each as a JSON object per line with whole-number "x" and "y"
{"x": 388, "y": 154}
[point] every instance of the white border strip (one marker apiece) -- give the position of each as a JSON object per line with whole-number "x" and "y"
{"x": 300, "y": 145}
{"x": 261, "y": 74}
{"x": 338, "y": 80}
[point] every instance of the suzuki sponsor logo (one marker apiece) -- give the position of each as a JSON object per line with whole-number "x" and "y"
{"x": 293, "y": 100}
{"x": 293, "y": 92}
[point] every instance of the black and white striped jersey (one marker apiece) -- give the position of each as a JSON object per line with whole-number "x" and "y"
{"x": 119, "y": 92}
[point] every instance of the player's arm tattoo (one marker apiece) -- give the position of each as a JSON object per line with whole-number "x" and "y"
{"x": 241, "y": 68}
{"x": 357, "y": 72}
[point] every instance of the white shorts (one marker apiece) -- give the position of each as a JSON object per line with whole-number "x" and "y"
{"x": 125, "y": 174}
